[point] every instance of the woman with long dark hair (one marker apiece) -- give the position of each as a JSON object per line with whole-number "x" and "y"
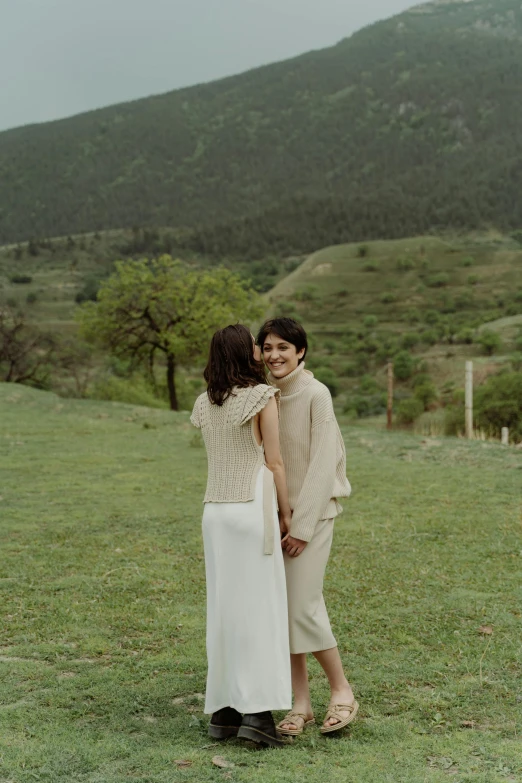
{"x": 247, "y": 618}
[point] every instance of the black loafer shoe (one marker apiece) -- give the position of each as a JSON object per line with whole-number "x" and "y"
{"x": 260, "y": 727}
{"x": 225, "y": 723}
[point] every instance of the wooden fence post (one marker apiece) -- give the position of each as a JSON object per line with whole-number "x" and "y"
{"x": 389, "y": 407}
{"x": 505, "y": 436}
{"x": 469, "y": 399}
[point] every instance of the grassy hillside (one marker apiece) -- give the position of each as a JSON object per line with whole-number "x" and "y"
{"x": 45, "y": 278}
{"x": 431, "y": 297}
{"x": 437, "y": 299}
{"x": 102, "y": 658}
{"x": 412, "y": 123}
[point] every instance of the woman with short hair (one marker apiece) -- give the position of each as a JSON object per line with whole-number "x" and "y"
{"x": 315, "y": 460}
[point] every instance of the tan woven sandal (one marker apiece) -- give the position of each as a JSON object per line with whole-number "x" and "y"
{"x": 333, "y": 712}
{"x": 295, "y": 718}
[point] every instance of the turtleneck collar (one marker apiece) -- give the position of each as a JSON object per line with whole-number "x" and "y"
{"x": 294, "y": 382}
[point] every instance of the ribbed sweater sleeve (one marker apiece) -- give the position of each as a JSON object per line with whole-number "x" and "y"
{"x": 318, "y": 486}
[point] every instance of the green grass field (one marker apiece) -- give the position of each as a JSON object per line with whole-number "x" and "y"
{"x": 102, "y": 660}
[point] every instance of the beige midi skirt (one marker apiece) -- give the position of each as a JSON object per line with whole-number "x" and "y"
{"x": 308, "y": 622}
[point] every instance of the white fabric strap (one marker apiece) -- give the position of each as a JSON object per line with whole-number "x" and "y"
{"x": 268, "y": 510}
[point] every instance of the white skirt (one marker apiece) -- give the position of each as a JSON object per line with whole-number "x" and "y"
{"x": 247, "y": 616}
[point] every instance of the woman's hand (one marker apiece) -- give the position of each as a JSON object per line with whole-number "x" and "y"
{"x": 293, "y": 546}
{"x": 284, "y": 522}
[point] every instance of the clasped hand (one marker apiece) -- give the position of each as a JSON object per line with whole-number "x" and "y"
{"x": 292, "y": 546}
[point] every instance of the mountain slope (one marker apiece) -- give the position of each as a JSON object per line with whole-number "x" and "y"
{"x": 418, "y": 116}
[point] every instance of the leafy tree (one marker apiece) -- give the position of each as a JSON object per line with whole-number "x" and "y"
{"x": 161, "y": 308}
{"x": 498, "y": 403}
{"x": 33, "y": 248}
{"x": 403, "y": 366}
{"x": 26, "y": 354}
{"x": 490, "y": 342}
{"x": 410, "y": 340}
{"x": 426, "y": 393}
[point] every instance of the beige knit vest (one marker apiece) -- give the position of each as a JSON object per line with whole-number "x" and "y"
{"x": 234, "y": 456}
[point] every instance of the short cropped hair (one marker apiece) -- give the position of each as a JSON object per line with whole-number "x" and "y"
{"x": 286, "y": 328}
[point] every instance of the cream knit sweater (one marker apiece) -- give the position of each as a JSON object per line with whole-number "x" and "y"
{"x": 233, "y": 454}
{"x": 313, "y": 451}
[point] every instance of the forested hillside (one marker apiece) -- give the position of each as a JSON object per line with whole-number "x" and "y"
{"x": 410, "y": 125}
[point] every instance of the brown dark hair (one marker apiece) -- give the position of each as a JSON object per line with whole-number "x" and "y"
{"x": 288, "y": 329}
{"x": 231, "y": 362}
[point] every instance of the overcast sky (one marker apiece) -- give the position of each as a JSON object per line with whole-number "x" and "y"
{"x": 62, "y": 57}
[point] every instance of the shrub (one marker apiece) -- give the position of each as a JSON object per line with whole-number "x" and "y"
{"x": 405, "y": 264}
{"x": 330, "y": 346}
{"x": 370, "y": 321}
{"x": 465, "y": 337}
{"x": 329, "y": 378}
{"x": 517, "y": 236}
{"x": 33, "y": 248}
{"x": 370, "y": 345}
{"x": 429, "y": 337}
{"x": 403, "y": 366}
{"x": 31, "y": 298}
{"x": 371, "y": 266}
{"x": 363, "y": 251}
{"x": 498, "y": 403}
{"x": 463, "y": 301}
{"x": 408, "y": 411}
{"x": 388, "y": 298}
{"x": 447, "y": 304}
{"x": 518, "y": 342}
{"x": 368, "y": 384}
{"x": 286, "y": 308}
{"x": 349, "y": 370}
{"x": 89, "y": 292}
{"x": 426, "y": 393}
{"x": 420, "y": 378}
{"x": 490, "y": 342}
{"x": 413, "y": 316}
{"x": 367, "y": 405}
{"x": 410, "y": 340}
{"x": 438, "y": 281}
{"x": 306, "y": 294}
{"x": 473, "y": 279}
{"x": 468, "y": 261}
{"x": 21, "y": 279}
{"x": 432, "y": 317}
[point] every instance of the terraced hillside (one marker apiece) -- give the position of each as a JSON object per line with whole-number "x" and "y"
{"x": 433, "y": 298}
